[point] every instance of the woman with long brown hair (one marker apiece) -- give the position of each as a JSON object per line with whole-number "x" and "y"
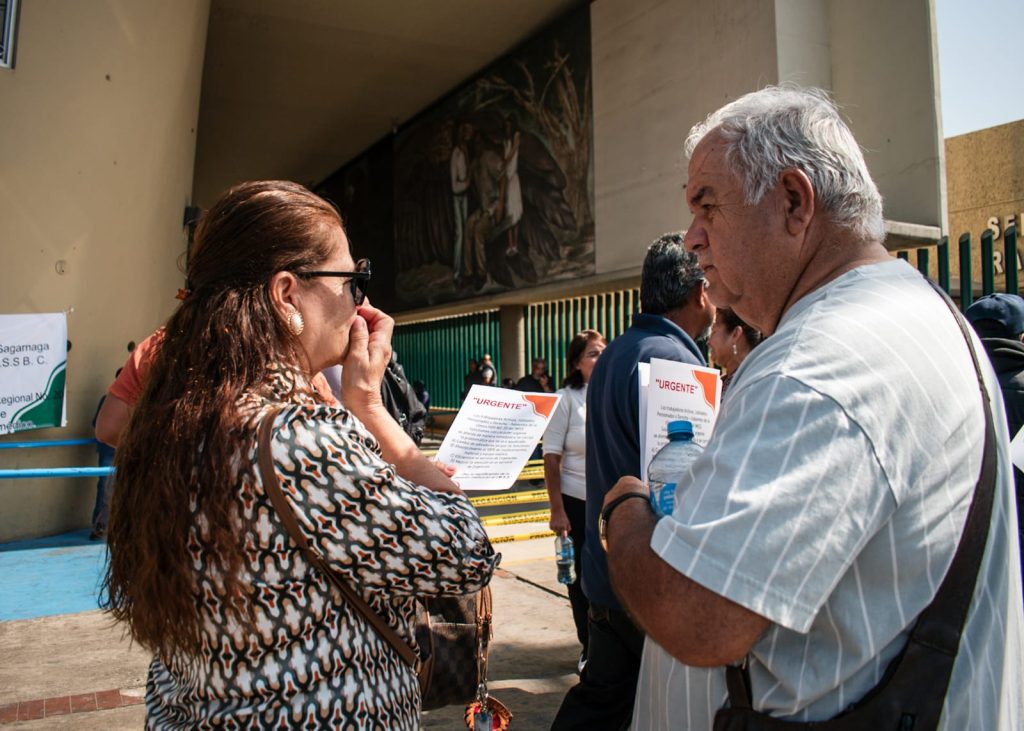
{"x": 202, "y": 570}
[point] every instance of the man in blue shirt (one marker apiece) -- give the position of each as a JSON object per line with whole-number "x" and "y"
{"x": 675, "y": 314}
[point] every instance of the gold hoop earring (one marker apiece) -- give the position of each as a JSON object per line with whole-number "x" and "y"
{"x": 295, "y": 323}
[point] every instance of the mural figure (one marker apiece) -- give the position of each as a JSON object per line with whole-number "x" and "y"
{"x": 463, "y": 133}
{"x": 513, "y": 195}
{"x": 494, "y": 186}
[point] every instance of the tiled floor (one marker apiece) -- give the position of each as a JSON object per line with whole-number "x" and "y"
{"x": 66, "y": 704}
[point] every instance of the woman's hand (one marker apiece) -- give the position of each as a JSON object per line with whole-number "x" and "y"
{"x": 369, "y": 351}
{"x": 448, "y": 470}
{"x": 559, "y": 522}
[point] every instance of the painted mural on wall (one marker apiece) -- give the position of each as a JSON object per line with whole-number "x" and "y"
{"x": 363, "y": 191}
{"x": 493, "y": 187}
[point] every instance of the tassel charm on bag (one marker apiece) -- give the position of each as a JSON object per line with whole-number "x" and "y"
{"x": 485, "y": 713}
{"x": 491, "y": 716}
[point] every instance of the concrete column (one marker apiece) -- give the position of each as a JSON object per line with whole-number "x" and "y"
{"x": 513, "y": 341}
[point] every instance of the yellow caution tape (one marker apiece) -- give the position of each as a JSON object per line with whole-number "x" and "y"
{"x": 532, "y": 516}
{"x": 533, "y": 496}
{"x": 523, "y": 537}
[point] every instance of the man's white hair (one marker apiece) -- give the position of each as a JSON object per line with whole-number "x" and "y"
{"x": 776, "y": 128}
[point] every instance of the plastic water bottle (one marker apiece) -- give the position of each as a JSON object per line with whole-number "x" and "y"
{"x": 670, "y": 465}
{"x": 565, "y": 555}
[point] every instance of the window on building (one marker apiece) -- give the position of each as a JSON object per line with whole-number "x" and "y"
{"x": 8, "y": 14}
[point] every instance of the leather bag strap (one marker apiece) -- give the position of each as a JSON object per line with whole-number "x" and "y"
{"x": 941, "y": 623}
{"x": 272, "y": 486}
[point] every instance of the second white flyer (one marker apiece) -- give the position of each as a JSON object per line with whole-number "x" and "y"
{"x": 676, "y": 391}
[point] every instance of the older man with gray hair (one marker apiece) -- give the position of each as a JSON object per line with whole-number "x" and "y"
{"x": 825, "y": 512}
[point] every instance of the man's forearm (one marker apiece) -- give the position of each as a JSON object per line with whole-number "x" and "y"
{"x": 629, "y": 533}
{"x": 693, "y": 624}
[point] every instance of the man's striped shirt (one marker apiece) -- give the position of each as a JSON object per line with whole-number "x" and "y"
{"x": 831, "y": 500}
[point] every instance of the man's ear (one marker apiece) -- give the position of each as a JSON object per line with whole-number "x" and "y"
{"x": 284, "y": 293}
{"x": 698, "y": 297}
{"x": 798, "y": 200}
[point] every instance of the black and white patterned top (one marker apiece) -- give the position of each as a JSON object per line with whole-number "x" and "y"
{"x": 310, "y": 660}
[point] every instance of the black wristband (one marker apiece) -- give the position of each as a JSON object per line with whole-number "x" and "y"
{"x": 606, "y": 513}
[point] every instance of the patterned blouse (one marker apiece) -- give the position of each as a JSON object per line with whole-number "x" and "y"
{"x": 310, "y": 660}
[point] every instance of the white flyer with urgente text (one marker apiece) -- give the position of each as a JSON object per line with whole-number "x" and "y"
{"x": 677, "y": 391}
{"x": 494, "y": 434}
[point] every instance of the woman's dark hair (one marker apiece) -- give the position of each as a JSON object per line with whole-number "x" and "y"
{"x": 177, "y": 506}
{"x": 577, "y": 348}
{"x": 733, "y": 321}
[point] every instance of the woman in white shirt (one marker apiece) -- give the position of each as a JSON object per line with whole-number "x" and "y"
{"x": 565, "y": 464}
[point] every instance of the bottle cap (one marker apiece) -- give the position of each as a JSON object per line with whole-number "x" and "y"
{"x": 680, "y": 427}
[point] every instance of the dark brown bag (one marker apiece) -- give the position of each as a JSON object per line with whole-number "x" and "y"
{"x": 453, "y": 632}
{"x": 910, "y": 695}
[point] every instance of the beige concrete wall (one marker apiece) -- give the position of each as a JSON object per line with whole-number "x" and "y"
{"x": 985, "y": 180}
{"x": 804, "y": 43}
{"x": 885, "y": 76}
{"x": 95, "y": 171}
{"x": 659, "y": 66}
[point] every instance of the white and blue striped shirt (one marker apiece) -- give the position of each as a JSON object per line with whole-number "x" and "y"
{"x": 831, "y": 499}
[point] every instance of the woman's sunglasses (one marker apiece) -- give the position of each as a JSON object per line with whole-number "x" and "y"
{"x": 358, "y": 280}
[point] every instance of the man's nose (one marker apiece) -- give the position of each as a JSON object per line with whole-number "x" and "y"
{"x": 695, "y": 238}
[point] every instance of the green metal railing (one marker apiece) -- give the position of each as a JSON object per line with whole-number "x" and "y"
{"x": 550, "y": 326}
{"x": 967, "y": 291}
{"x": 437, "y": 352}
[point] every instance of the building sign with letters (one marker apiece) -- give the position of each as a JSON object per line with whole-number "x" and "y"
{"x": 33, "y": 358}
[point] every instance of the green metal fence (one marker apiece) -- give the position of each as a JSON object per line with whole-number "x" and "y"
{"x": 550, "y": 326}
{"x": 437, "y": 352}
{"x": 994, "y": 264}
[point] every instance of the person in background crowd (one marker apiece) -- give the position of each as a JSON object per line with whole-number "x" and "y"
{"x": 532, "y": 380}
{"x": 730, "y": 343}
{"x": 565, "y": 463}
{"x": 471, "y": 378}
{"x": 825, "y": 511}
{"x": 116, "y": 409}
{"x": 488, "y": 373}
{"x": 197, "y": 550}
{"x": 124, "y": 392}
{"x": 676, "y": 313}
{"x": 507, "y": 382}
{"x": 420, "y": 389}
{"x": 104, "y": 484}
{"x": 400, "y": 399}
{"x": 999, "y": 321}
